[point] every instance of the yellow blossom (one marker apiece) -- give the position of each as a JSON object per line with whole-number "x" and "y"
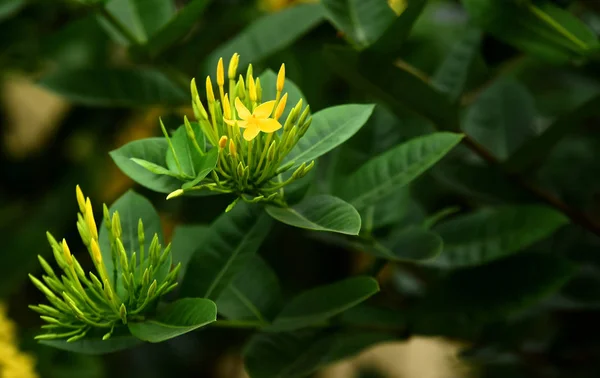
{"x": 256, "y": 121}
{"x": 13, "y": 362}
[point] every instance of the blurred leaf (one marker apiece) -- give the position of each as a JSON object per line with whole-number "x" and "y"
{"x": 298, "y": 354}
{"x": 10, "y": 7}
{"x": 254, "y": 293}
{"x": 382, "y": 175}
{"x": 392, "y": 39}
{"x": 131, "y": 207}
{"x": 319, "y": 304}
{"x": 177, "y": 27}
{"x": 257, "y": 41}
{"x": 187, "y": 239}
{"x": 492, "y": 234}
{"x": 268, "y": 80}
{"x": 232, "y": 239}
{"x": 362, "y": 21}
{"x": 95, "y": 346}
{"x": 394, "y": 86}
{"x": 110, "y": 87}
{"x": 414, "y": 244}
{"x": 452, "y": 74}
{"x": 502, "y": 118}
{"x": 329, "y": 128}
{"x": 153, "y": 150}
{"x": 540, "y": 29}
{"x": 319, "y": 213}
{"x": 141, "y": 18}
{"x": 177, "y": 318}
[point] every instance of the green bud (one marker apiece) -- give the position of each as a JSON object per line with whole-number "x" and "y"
{"x": 133, "y": 262}
{"x": 47, "y": 268}
{"x": 166, "y": 253}
{"x": 240, "y": 169}
{"x": 285, "y": 167}
{"x": 304, "y": 115}
{"x": 152, "y": 289}
{"x": 41, "y": 287}
{"x": 258, "y": 90}
{"x": 106, "y": 216}
{"x": 153, "y": 250}
{"x": 122, "y": 255}
{"x": 141, "y": 239}
{"x": 71, "y": 303}
{"x": 123, "y": 313}
{"x": 77, "y": 337}
{"x": 304, "y": 128}
{"x": 116, "y": 225}
{"x": 84, "y": 233}
{"x": 241, "y": 88}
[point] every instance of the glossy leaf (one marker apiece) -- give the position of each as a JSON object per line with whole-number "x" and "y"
{"x": 95, "y": 346}
{"x": 502, "y": 118}
{"x": 384, "y": 174}
{"x": 114, "y": 87}
{"x": 254, "y": 294}
{"x": 319, "y": 213}
{"x": 452, "y": 74}
{"x": 188, "y": 157}
{"x": 329, "y": 128}
{"x": 319, "y": 304}
{"x": 362, "y": 21}
{"x": 152, "y": 150}
{"x": 414, "y": 244}
{"x": 232, "y": 239}
{"x": 182, "y": 316}
{"x": 492, "y": 234}
{"x": 256, "y": 42}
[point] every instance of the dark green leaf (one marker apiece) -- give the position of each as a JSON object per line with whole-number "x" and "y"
{"x": 187, "y": 240}
{"x": 254, "y": 293}
{"x": 256, "y": 42}
{"x": 9, "y": 8}
{"x": 492, "y": 234}
{"x": 319, "y": 304}
{"x": 141, "y": 18}
{"x": 415, "y": 244}
{"x": 362, "y": 21}
{"x": 109, "y": 87}
{"x": 177, "y": 318}
{"x": 320, "y": 213}
{"x": 95, "y": 346}
{"x": 188, "y": 157}
{"x": 384, "y": 174}
{"x": 232, "y": 239}
{"x": 152, "y": 150}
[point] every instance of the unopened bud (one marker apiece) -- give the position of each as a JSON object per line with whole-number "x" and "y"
{"x": 89, "y": 219}
{"x": 210, "y": 95}
{"x": 175, "y": 193}
{"x": 223, "y": 142}
{"x": 252, "y": 89}
{"x": 220, "y": 73}
{"x": 67, "y": 252}
{"x": 80, "y": 199}
{"x": 241, "y": 93}
{"x": 198, "y": 105}
{"x": 280, "y": 106}
{"x": 233, "y": 65}
{"x": 123, "y": 313}
{"x": 96, "y": 254}
{"x": 232, "y": 149}
{"x": 193, "y": 88}
{"x": 116, "y": 225}
{"x": 226, "y": 107}
{"x": 281, "y": 78}
{"x": 258, "y": 90}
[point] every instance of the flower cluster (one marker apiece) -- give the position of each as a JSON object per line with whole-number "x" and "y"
{"x": 250, "y": 134}
{"x": 111, "y": 297}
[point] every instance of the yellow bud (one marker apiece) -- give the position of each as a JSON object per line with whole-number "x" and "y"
{"x": 232, "y": 149}
{"x": 233, "y": 65}
{"x": 96, "y": 254}
{"x": 281, "y": 106}
{"x": 67, "y": 252}
{"x": 241, "y": 88}
{"x": 89, "y": 219}
{"x": 175, "y": 193}
{"x": 200, "y": 107}
{"x": 226, "y": 107}
{"x": 220, "y": 73}
{"x": 281, "y": 78}
{"x": 210, "y": 95}
{"x": 223, "y": 142}
{"x": 80, "y": 199}
{"x": 193, "y": 88}
{"x": 252, "y": 88}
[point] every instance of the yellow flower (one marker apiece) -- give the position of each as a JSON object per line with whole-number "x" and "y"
{"x": 13, "y": 362}
{"x": 257, "y": 121}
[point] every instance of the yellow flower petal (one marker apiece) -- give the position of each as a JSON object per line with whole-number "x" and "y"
{"x": 269, "y": 125}
{"x": 264, "y": 110}
{"x": 251, "y": 132}
{"x": 242, "y": 111}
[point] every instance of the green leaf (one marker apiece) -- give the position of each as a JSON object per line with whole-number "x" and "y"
{"x": 232, "y": 239}
{"x": 268, "y": 80}
{"x": 177, "y": 318}
{"x": 452, "y": 74}
{"x": 95, "y": 346}
{"x": 155, "y": 168}
{"x": 319, "y": 213}
{"x": 492, "y": 234}
{"x": 414, "y": 244}
{"x": 114, "y": 87}
{"x": 9, "y": 7}
{"x": 188, "y": 157}
{"x": 502, "y": 118}
{"x": 319, "y": 304}
{"x": 392, "y": 39}
{"x": 363, "y": 21}
{"x": 177, "y": 27}
{"x": 298, "y": 354}
{"x": 208, "y": 163}
{"x": 152, "y": 150}
{"x": 141, "y": 18}
{"x": 386, "y": 173}
{"x": 131, "y": 207}
{"x": 256, "y": 42}
{"x": 254, "y": 294}
{"x": 329, "y": 128}
{"x": 187, "y": 240}
{"x": 396, "y": 87}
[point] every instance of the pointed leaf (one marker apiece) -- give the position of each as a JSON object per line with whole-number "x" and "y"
{"x": 492, "y": 234}
{"x": 152, "y": 150}
{"x": 177, "y": 318}
{"x": 329, "y": 128}
{"x": 95, "y": 346}
{"x": 233, "y": 238}
{"x": 319, "y": 304}
{"x": 392, "y": 39}
{"x": 155, "y": 168}
{"x": 384, "y": 174}
{"x": 319, "y": 213}
{"x": 187, "y": 155}
{"x": 206, "y": 165}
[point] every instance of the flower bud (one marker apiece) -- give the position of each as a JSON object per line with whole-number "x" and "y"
{"x": 220, "y": 73}
{"x": 252, "y": 89}
{"x": 280, "y": 106}
{"x": 281, "y": 78}
{"x": 233, "y": 65}
{"x": 223, "y": 142}
{"x": 226, "y": 107}
{"x": 89, "y": 219}
{"x": 96, "y": 254}
{"x": 175, "y": 193}
{"x": 80, "y": 199}
{"x": 210, "y": 95}
{"x": 232, "y": 149}
{"x": 67, "y": 252}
